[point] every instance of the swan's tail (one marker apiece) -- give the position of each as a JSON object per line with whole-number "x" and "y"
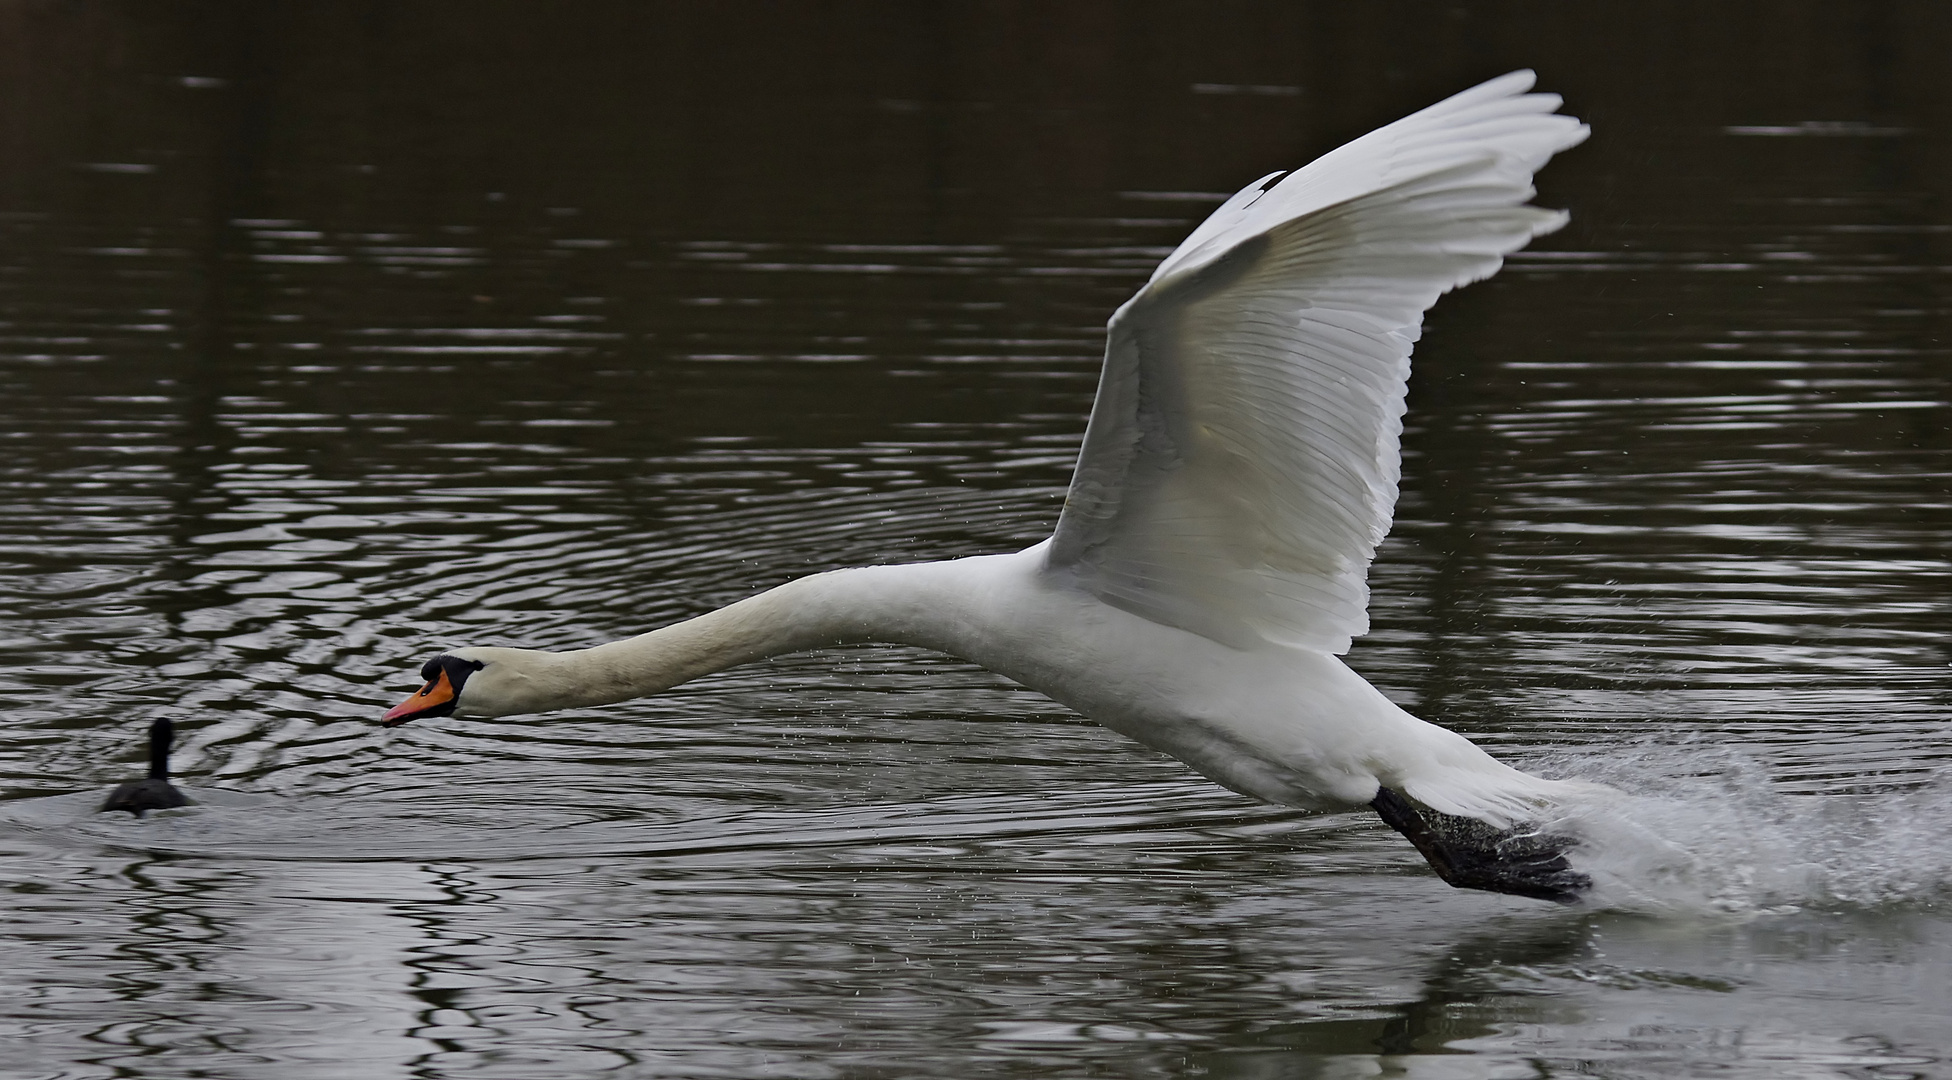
{"x": 1504, "y": 801}
{"x": 1451, "y": 775}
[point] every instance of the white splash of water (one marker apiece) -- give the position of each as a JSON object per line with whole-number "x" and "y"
{"x": 1702, "y": 830}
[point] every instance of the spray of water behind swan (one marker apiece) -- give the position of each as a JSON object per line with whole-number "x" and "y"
{"x": 1703, "y": 830}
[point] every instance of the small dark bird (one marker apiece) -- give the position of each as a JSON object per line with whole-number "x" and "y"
{"x": 155, "y": 793}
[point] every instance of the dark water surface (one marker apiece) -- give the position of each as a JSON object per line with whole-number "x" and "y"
{"x": 331, "y": 335}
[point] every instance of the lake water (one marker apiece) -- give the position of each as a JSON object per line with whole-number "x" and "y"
{"x": 332, "y": 335}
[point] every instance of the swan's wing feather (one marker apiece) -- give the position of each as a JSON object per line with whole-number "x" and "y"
{"x": 1241, "y": 462}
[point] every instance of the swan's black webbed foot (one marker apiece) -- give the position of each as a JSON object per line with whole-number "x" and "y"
{"x": 1471, "y": 854}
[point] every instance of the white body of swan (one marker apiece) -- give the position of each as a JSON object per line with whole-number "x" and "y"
{"x": 1238, "y": 471}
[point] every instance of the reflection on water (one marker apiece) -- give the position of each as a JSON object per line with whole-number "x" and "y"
{"x": 327, "y": 339}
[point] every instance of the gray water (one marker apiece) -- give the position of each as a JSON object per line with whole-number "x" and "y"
{"x": 333, "y": 335}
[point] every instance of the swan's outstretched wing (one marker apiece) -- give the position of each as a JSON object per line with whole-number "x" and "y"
{"x": 1241, "y": 462}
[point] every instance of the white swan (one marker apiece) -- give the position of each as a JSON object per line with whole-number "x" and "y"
{"x": 1238, "y": 471}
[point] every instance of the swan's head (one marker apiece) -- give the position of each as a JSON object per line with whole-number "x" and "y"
{"x": 482, "y": 681}
{"x": 447, "y": 677}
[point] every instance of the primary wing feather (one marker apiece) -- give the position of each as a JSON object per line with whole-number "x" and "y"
{"x": 1241, "y": 462}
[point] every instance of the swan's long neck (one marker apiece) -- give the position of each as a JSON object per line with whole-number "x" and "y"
{"x": 918, "y": 604}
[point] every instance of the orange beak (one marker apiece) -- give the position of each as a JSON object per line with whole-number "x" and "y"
{"x": 431, "y": 697}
